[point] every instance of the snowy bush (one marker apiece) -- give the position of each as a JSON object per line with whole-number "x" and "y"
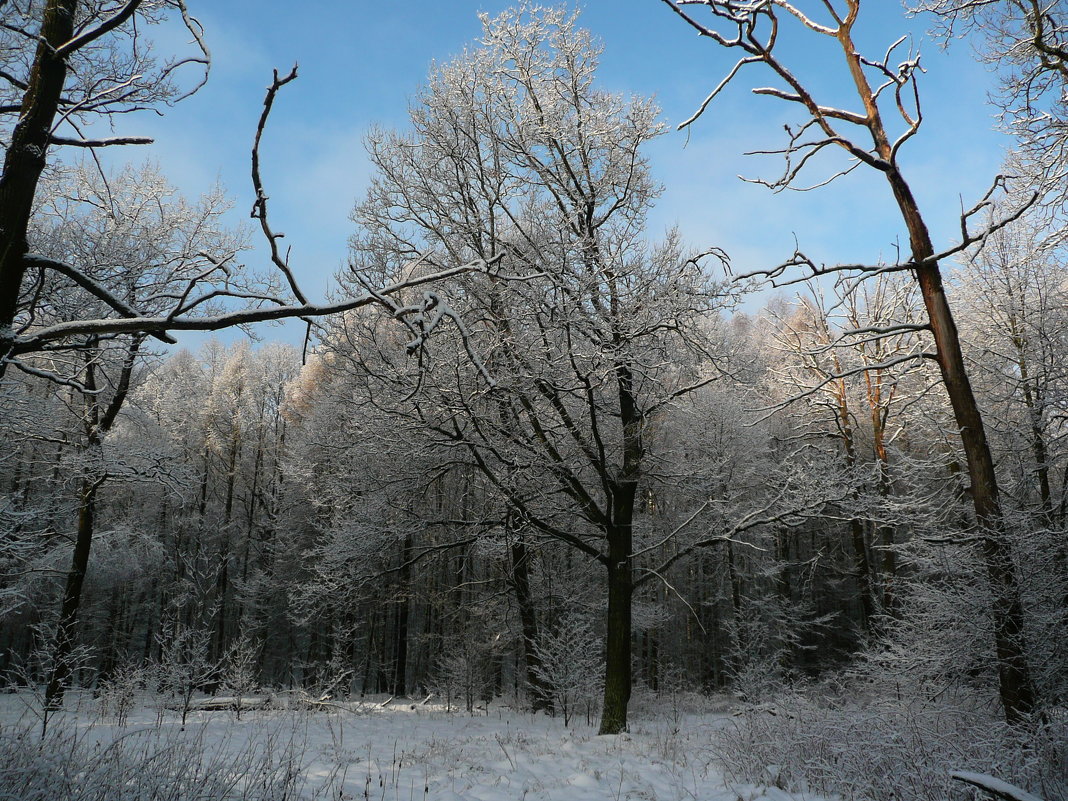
{"x": 883, "y": 748}
{"x": 239, "y": 674}
{"x": 465, "y": 673}
{"x": 153, "y": 764}
{"x": 35, "y": 671}
{"x": 942, "y": 635}
{"x": 119, "y": 692}
{"x": 674, "y": 698}
{"x": 571, "y": 665}
{"x": 185, "y": 665}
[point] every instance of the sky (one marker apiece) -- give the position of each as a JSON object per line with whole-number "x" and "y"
{"x": 361, "y": 62}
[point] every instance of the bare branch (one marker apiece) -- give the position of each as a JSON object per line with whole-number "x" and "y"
{"x": 41, "y": 337}
{"x": 93, "y": 288}
{"x": 55, "y": 378}
{"x": 715, "y": 92}
{"x": 838, "y": 376}
{"x": 826, "y": 111}
{"x": 259, "y": 206}
{"x": 115, "y": 140}
{"x": 108, "y": 25}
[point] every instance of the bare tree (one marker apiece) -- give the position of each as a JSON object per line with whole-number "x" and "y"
{"x": 69, "y": 64}
{"x": 587, "y": 333}
{"x": 854, "y": 403}
{"x": 134, "y": 233}
{"x": 887, "y": 95}
{"x": 1027, "y": 41}
{"x": 86, "y": 62}
{"x": 1015, "y": 327}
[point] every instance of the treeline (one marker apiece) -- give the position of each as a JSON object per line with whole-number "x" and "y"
{"x": 289, "y": 511}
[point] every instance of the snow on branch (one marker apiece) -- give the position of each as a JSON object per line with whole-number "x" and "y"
{"x": 41, "y": 337}
{"x": 996, "y": 787}
{"x": 108, "y": 25}
{"x": 114, "y": 140}
{"x": 754, "y": 28}
{"x": 55, "y": 378}
{"x": 827, "y": 111}
{"x": 780, "y": 275}
{"x": 779, "y": 510}
{"x": 839, "y": 375}
{"x": 421, "y": 319}
{"x": 93, "y": 288}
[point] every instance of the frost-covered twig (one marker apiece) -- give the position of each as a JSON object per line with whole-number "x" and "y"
{"x": 996, "y": 787}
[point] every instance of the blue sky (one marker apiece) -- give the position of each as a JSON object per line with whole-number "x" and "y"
{"x": 361, "y": 61}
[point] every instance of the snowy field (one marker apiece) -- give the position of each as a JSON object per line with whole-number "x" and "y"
{"x": 398, "y": 752}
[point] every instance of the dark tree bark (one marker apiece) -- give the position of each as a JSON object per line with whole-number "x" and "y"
{"x": 884, "y": 537}
{"x": 1032, "y": 398}
{"x": 617, "y": 673}
{"x": 1015, "y": 686}
{"x": 520, "y": 575}
{"x": 98, "y": 422}
{"x": 67, "y": 627}
{"x": 856, "y": 525}
{"x": 620, "y": 537}
{"x": 27, "y": 154}
{"x": 740, "y": 643}
{"x": 223, "y": 595}
{"x": 400, "y": 630}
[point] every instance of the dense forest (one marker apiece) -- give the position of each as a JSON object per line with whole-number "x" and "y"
{"x": 532, "y": 450}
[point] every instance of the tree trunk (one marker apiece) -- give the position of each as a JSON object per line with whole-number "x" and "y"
{"x": 540, "y": 697}
{"x": 783, "y": 586}
{"x": 884, "y": 533}
{"x": 856, "y": 525}
{"x": 617, "y": 673}
{"x": 400, "y": 631}
{"x": 1038, "y": 443}
{"x": 67, "y": 627}
{"x": 226, "y": 548}
{"x": 1015, "y": 686}
{"x": 26, "y": 155}
{"x": 98, "y": 421}
{"x": 620, "y": 537}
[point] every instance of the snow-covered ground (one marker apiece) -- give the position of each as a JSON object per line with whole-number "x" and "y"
{"x": 402, "y": 751}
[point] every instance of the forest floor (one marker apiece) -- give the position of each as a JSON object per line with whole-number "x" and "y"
{"x": 397, "y": 751}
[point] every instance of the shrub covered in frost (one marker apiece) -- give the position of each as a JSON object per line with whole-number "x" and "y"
{"x": 150, "y": 764}
{"x": 886, "y": 748}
